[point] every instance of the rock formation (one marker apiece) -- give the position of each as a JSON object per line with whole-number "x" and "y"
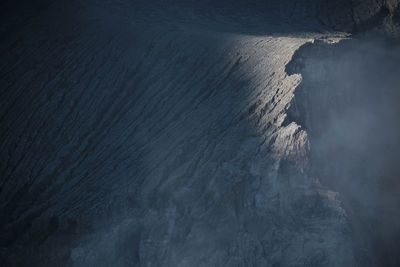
{"x": 165, "y": 133}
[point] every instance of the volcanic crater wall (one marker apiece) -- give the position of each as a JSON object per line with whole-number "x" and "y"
{"x": 137, "y": 136}
{"x": 348, "y": 103}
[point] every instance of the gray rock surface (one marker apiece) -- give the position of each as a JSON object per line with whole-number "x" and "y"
{"x": 156, "y": 134}
{"x": 360, "y": 15}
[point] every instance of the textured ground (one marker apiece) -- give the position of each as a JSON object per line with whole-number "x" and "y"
{"x": 156, "y": 135}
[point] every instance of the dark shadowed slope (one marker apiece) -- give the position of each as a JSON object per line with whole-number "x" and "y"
{"x": 154, "y": 134}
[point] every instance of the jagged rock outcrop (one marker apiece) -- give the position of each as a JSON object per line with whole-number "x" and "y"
{"x": 361, "y": 15}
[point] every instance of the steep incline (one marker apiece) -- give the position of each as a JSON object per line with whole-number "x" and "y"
{"x": 142, "y": 136}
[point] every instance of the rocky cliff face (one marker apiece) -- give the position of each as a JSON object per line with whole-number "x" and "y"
{"x": 361, "y": 15}
{"x": 157, "y": 134}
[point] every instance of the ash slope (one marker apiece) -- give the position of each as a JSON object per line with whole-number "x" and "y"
{"x": 152, "y": 135}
